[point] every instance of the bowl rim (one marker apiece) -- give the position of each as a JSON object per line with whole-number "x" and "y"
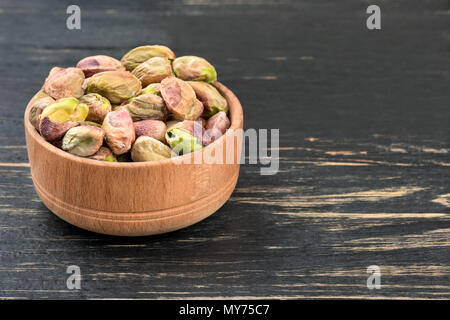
{"x": 236, "y": 119}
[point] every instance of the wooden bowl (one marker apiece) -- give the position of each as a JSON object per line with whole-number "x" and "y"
{"x": 137, "y": 198}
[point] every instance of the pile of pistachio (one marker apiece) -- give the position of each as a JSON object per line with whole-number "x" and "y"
{"x": 148, "y": 106}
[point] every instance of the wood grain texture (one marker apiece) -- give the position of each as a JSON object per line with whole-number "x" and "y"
{"x": 137, "y": 199}
{"x": 364, "y": 152}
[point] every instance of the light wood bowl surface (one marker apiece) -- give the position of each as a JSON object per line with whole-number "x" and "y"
{"x": 134, "y": 198}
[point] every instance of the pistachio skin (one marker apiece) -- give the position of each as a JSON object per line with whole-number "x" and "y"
{"x": 104, "y": 154}
{"x": 215, "y": 127}
{"x": 119, "y": 131}
{"x": 89, "y": 123}
{"x": 151, "y": 128}
{"x": 194, "y": 128}
{"x": 63, "y": 83}
{"x": 83, "y": 141}
{"x": 171, "y": 124}
{"x": 53, "y": 131}
{"x": 65, "y": 109}
{"x": 147, "y": 106}
{"x": 219, "y": 121}
{"x": 116, "y": 86}
{"x": 99, "y": 63}
{"x": 146, "y": 148}
{"x": 211, "y": 98}
{"x": 194, "y": 68}
{"x": 85, "y": 84}
{"x": 98, "y": 106}
{"x": 140, "y": 54}
{"x": 180, "y": 99}
{"x": 38, "y": 103}
{"x": 153, "y": 70}
{"x": 154, "y": 88}
{"x": 116, "y": 107}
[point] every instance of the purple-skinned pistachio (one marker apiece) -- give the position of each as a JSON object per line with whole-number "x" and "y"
{"x": 63, "y": 83}
{"x": 180, "y": 99}
{"x": 83, "y": 141}
{"x": 100, "y": 63}
{"x": 153, "y": 70}
{"x": 119, "y": 131}
{"x": 194, "y": 68}
{"x": 53, "y": 131}
{"x": 215, "y": 127}
{"x": 38, "y": 103}
{"x": 151, "y": 128}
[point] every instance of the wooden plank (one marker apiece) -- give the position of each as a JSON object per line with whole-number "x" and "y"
{"x": 364, "y": 153}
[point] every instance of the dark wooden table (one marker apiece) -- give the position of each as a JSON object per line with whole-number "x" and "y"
{"x": 364, "y": 152}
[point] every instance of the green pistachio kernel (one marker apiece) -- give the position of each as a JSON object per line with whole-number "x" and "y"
{"x": 110, "y": 159}
{"x": 65, "y": 109}
{"x": 153, "y": 88}
{"x": 181, "y": 141}
{"x": 209, "y": 74}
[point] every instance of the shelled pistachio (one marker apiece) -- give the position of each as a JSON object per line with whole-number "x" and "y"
{"x": 83, "y": 141}
{"x": 153, "y": 70}
{"x": 140, "y": 54}
{"x": 116, "y": 86}
{"x": 180, "y": 99}
{"x": 104, "y": 154}
{"x": 63, "y": 83}
{"x": 119, "y": 131}
{"x": 37, "y": 104}
{"x": 147, "y": 106}
{"x": 154, "y": 88}
{"x": 211, "y": 98}
{"x": 215, "y": 127}
{"x": 194, "y": 68}
{"x": 65, "y": 109}
{"x": 98, "y": 106}
{"x": 146, "y": 148}
{"x": 185, "y": 137}
{"x": 99, "y": 63}
{"x": 151, "y": 128}
{"x": 52, "y": 130}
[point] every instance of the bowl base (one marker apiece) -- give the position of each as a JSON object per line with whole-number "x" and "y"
{"x": 138, "y": 223}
